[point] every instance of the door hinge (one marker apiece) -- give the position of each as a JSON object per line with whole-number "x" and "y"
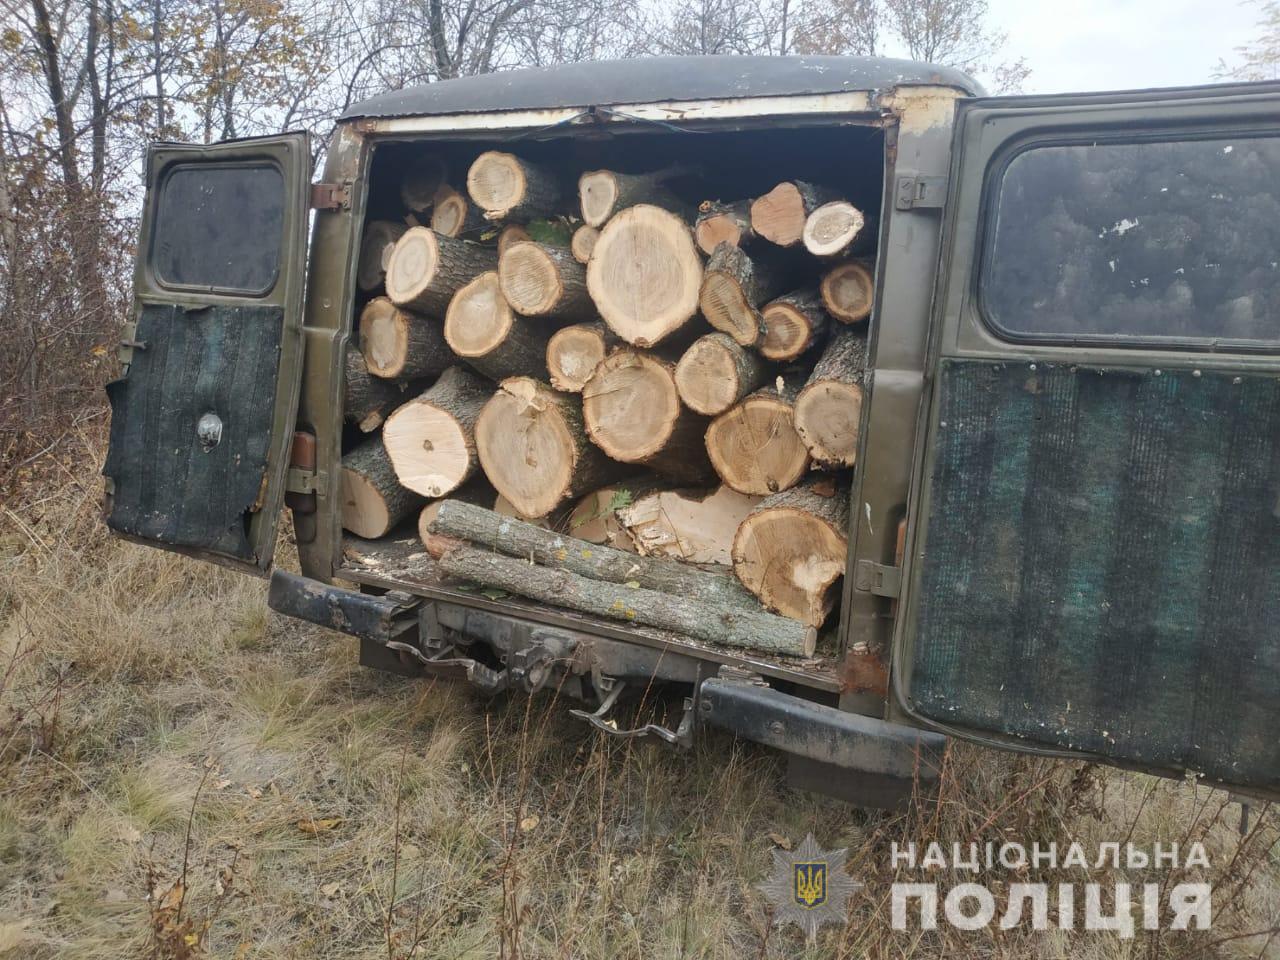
{"x": 331, "y": 196}
{"x": 880, "y": 579}
{"x": 920, "y": 193}
{"x": 306, "y": 481}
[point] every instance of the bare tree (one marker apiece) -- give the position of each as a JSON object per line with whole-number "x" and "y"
{"x": 1259, "y": 60}
{"x": 955, "y": 33}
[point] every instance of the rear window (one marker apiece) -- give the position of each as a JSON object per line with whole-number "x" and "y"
{"x": 1163, "y": 241}
{"x": 219, "y": 227}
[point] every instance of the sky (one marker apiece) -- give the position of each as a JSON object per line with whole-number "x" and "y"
{"x": 1122, "y": 44}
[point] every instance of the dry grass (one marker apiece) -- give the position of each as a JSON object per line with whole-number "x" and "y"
{"x": 153, "y": 712}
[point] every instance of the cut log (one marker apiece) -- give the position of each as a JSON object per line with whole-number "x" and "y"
{"x": 508, "y": 188}
{"x": 503, "y": 506}
{"x": 368, "y": 399}
{"x": 645, "y": 274}
{"x": 400, "y": 345}
{"x": 690, "y": 525}
{"x": 573, "y": 353}
{"x": 723, "y": 223}
{"x": 511, "y": 233}
{"x": 794, "y": 323}
{"x": 534, "y": 450}
{"x": 848, "y": 290}
{"x": 539, "y": 280}
{"x": 595, "y": 516}
{"x": 835, "y": 228}
{"x": 733, "y": 626}
{"x": 426, "y": 269}
{"x": 716, "y": 372}
{"x": 779, "y": 216}
{"x": 454, "y": 215}
{"x": 562, "y": 552}
{"x": 418, "y": 188}
{"x": 477, "y": 490}
{"x": 431, "y": 439}
{"x": 481, "y": 327}
{"x": 828, "y": 411}
{"x": 733, "y": 288}
{"x": 603, "y": 193}
{"x": 754, "y": 446}
{"x": 583, "y": 242}
{"x": 373, "y": 501}
{"x": 791, "y": 550}
{"x": 380, "y": 238}
{"x": 633, "y": 413}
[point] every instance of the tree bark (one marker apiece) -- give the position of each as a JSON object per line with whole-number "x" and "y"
{"x": 779, "y": 216}
{"x": 544, "y": 281}
{"x": 481, "y": 328}
{"x": 603, "y": 193}
{"x": 754, "y": 446}
{"x": 478, "y": 490}
{"x": 506, "y": 187}
{"x": 716, "y": 372}
{"x": 380, "y": 238}
{"x": 836, "y": 228}
{"x": 583, "y": 242}
{"x": 828, "y": 411}
{"x": 794, "y": 323}
{"x": 426, "y": 269}
{"x": 848, "y": 291}
{"x": 431, "y": 439}
{"x": 696, "y": 526}
{"x": 573, "y": 353}
{"x": 723, "y": 223}
{"x": 399, "y": 345}
{"x": 418, "y": 188}
{"x": 368, "y": 399}
{"x": 454, "y": 215}
{"x": 733, "y": 287}
{"x": 373, "y": 501}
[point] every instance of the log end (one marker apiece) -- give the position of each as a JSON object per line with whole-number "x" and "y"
{"x": 496, "y": 183}
{"x": 384, "y": 338}
{"x": 848, "y": 290}
{"x": 526, "y": 448}
{"x": 573, "y": 353}
{"x": 708, "y": 377}
{"x": 429, "y": 449}
{"x": 755, "y": 448}
{"x": 832, "y": 227}
{"x": 790, "y": 559}
{"x": 630, "y": 405}
{"x": 412, "y": 264}
{"x": 728, "y": 310}
{"x": 828, "y": 419}
{"x": 597, "y": 194}
{"x": 779, "y": 215}
{"x": 479, "y": 317}
{"x": 529, "y": 279}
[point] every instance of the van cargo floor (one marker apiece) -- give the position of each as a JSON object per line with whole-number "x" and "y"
{"x": 401, "y": 563}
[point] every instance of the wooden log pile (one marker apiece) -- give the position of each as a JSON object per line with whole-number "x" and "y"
{"x": 607, "y": 391}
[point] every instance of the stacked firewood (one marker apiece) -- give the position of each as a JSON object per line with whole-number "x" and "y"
{"x": 678, "y": 381}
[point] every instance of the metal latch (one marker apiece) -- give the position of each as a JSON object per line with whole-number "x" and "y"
{"x": 920, "y": 193}
{"x": 299, "y": 480}
{"x": 878, "y": 578}
{"x": 331, "y": 196}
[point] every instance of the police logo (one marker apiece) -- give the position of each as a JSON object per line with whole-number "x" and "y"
{"x": 809, "y": 887}
{"x": 811, "y": 883}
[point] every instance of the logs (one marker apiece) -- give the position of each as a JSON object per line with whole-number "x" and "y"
{"x": 779, "y": 216}
{"x": 373, "y": 501}
{"x": 477, "y": 490}
{"x": 595, "y": 516}
{"x": 733, "y": 288}
{"x": 828, "y": 411}
{"x": 481, "y": 327}
{"x": 792, "y": 324}
{"x": 574, "y": 352}
{"x": 431, "y": 439}
{"x": 715, "y": 373}
{"x": 690, "y": 525}
{"x": 544, "y": 281}
{"x": 835, "y": 228}
{"x": 427, "y": 269}
{"x": 418, "y": 189}
{"x": 645, "y": 274}
{"x": 719, "y": 223}
{"x": 454, "y": 215}
{"x": 368, "y": 399}
{"x": 511, "y": 233}
{"x": 379, "y": 240}
{"x": 602, "y": 193}
{"x": 583, "y": 242}
{"x": 399, "y": 345}
{"x": 733, "y": 626}
{"x": 791, "y": 550}
{"x": 754, "y": 446}
{"x": 506, "y": 187}
{"x": 848, "y": 290}
{"x": 633, "y": 413}
{"x": 534, "y": 450}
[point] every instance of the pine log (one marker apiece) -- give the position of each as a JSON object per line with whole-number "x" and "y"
{"x": 583, "y": 242}
{"x": 779, "y": 216}
{"x": 794, "y": 323}
{"x": 644, "y": 275}
{"x": 511, "y": 233}
{"x": 544, "y": 281}
{"x": 426, "y": 269}
{"x": 716, "y": 372}
{"x": 595, "y": 517}
{"x": 828, "y": 411}
{"x": 368, "y": 399}
{"x": 734, "y": 626}
{"x": 573, "y": 353}
{"x": 754, "y": 446}
{"x": 534, "y": 450}
{"x": 836, "y": 228}
{"x": 372, "y": 499}
{"x": 734, "y": 286}
{"x": 454, "y": 215}
{"x": 418, "y": 189}
{"x": 791, "y": 549}
{"x": 506, "y": 187}
{"x": 723, "y": 223}
{"x": 690, "y": 525}
{"x": 380, "y": 238}
{"x": 481, "y": 328}
{"x": 602, "y": 193}
{"x": 477, "y": 490}
{"x": 562, "y": 552}
{"x": 633, "y": 413}
{"x": 400, "y": 345}
{"x": 431, "y": 439}
{"x": 848, "y": 290}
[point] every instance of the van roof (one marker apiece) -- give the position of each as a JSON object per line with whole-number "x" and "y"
{"x": 656, "y": 80}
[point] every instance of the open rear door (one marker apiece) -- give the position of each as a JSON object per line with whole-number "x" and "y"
{"x": 202, "y": 419}
{"x": 1094, "y": 556}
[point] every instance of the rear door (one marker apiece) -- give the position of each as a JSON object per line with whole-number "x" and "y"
{"x": 1094, "y": 551}
{"x": 202, "y": 418}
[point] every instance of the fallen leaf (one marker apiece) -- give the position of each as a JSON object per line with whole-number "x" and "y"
{"x": 330, "y": 890}
{"x": 780, "y": 841}
{"x": 528, "y": 823}
{"x": 322, "y": 825}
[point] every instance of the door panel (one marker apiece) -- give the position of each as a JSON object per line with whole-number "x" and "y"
{"x": 202, "y": 419}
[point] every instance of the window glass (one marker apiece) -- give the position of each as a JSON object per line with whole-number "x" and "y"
{"x": 219, "y": 227}
{"x": 1171, "y": 241}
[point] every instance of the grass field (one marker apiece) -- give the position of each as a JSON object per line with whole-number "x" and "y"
{"x": 182, "y": 773}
